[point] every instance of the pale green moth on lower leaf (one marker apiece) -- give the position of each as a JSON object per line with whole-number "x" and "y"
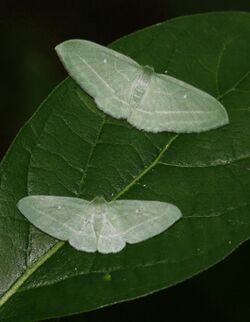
{"x": 98, "y": 225}
{"x": 147, "y": 100}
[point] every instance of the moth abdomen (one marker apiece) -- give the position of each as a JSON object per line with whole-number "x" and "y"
{"x": 141, "y": 85}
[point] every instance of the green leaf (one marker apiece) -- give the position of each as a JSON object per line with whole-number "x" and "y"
{"x": 70, "y": 148}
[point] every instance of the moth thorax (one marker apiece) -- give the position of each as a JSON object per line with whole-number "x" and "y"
{"x": 98, "y": 210}
{"x": 99, "y": 205}
{"x": 141, "y": 84}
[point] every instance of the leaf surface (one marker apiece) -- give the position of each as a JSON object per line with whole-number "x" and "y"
{"x": 71, "y": 148}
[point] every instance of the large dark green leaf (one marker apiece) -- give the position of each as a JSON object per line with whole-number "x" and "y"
{"x": 70, "y": 148}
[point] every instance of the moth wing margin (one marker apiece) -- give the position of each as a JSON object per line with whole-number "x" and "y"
{"x": 137, "y": 220}
{"x": 100, "y": 71}
{"x": 63, "y": 218}
{"x": 172, "y": 105}
{"x": 109, "y": 240}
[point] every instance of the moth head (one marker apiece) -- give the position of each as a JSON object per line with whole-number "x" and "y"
{"x": 148, "y": 69}
{"x": 98, "y": 200}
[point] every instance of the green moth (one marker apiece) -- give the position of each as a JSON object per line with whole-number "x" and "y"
{"x": 98, "y": 225}
{"x": 125, "y": 90}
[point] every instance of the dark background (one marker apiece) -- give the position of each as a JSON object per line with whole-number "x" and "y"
{"x": 30, "y": 70}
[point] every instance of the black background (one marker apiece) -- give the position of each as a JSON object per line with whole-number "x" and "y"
{"x": 30, "y": 69}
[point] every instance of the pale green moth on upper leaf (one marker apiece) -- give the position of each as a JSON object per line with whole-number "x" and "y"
{"x": 98, "y": 225}
{"x": 147, "y": 100}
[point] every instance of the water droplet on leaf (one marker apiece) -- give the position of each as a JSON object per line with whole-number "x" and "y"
{"x": 107, "y": 277}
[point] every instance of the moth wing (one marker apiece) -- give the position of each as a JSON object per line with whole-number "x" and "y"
{"x": 64, "y": 218}
{"x": 103, "y": 73}
{"x": 109, "y": 239}
{"x": 173, "y": 105}
{"x": 137, "y": 220}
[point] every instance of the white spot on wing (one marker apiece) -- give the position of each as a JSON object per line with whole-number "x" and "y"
{"x": 105, "y": 61}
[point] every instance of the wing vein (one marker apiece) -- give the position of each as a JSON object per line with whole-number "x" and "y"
{"x": 93, "y": 71}
{"x": 175, "y": 112}
{"x": 142, "y": 223}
